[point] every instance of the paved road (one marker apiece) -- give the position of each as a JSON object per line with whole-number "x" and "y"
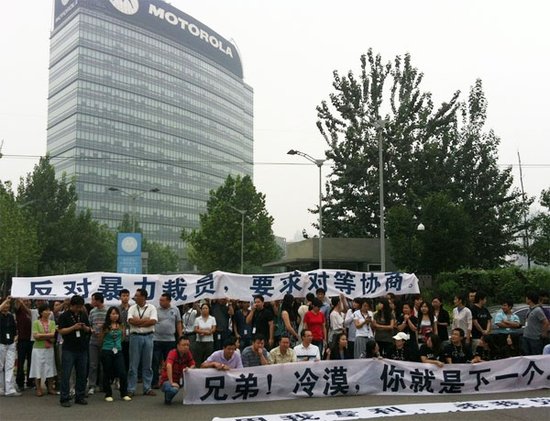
{"x": 29, "y": 407}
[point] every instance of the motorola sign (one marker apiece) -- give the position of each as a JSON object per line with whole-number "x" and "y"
{"x": 162, "y": 19}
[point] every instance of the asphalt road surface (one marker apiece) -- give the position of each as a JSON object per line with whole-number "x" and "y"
{"x": 30, "y": 407}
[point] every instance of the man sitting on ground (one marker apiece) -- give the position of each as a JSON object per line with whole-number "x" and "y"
{"x": 306, "y": 351}
{"x": 178, "y": 361}
{"x": 283, "y": 353}
{"x": 255, "y": 354}
{"x": 224, "y": 359}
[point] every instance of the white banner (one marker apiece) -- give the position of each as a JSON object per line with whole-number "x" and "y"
{"x": 189, "y": 288}
{"x": 399, "y": 410}
{"x": 364, "y": 377}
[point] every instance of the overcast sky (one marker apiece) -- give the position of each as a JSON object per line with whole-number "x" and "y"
{"x": 289, "y": 50}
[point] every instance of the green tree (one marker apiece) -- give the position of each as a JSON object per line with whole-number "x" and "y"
{"x": 540, "y": 232}
{"x": 484, "y": 190}
{"x": 18, "y": 239}
{"x": 352, "y": 206}
{"x": 216, "y": 245}
{"x": 162, "y": 259}
{"x": 67, "y": 242}
{"x": 445, "y": 244}
{"x": 427, "y": 150}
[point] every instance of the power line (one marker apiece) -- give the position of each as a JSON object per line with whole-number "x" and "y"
{"x": 208, "y": 161}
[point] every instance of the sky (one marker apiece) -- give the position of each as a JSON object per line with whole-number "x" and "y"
{"x": 289, "y": 51}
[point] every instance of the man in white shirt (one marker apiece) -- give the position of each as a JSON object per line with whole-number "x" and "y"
{"x": 462, "y": 318}
{"x": 306, "y": 351}
{"x": 142, "y": 319}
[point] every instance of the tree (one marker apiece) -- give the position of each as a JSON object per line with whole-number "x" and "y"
{"x": 216, "y": 245}
{"x": 427, "y": 150}
{"x": 18, "y": 239}
{"x": 540, "y": 232}
{"x": 352, "y": 199}
{"x": 67, "y": 242}
{"x": 444, "y": 245}
{"x": 162, "y": 259}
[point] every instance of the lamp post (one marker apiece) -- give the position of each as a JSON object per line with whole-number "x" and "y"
{"x": 134, "y": 197}
{"x": 242, "y": 212}
{"x": 319, "y": 163}
{"x": 379, "y": 125}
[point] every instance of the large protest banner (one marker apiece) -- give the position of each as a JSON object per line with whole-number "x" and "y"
{"x": 364, "y": 377}
{"x": 186, "y": 288}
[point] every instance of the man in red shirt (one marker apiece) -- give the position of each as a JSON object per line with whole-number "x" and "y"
{"x": 177, "y": 362}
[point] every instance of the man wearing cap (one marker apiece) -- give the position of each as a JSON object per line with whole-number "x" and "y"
{"x": 142, "y": 319}
{"x": 400, "y": 350}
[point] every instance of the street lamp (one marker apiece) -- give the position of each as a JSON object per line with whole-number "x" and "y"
{"x": 242, "y": 212}
{"x": 133, "y": 197}
{"x": 319, "y": 163}
{"x": 379, "y": 126}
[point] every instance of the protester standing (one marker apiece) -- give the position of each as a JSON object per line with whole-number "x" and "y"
{"x": 75, "y": 328}
{"x": 43, "y": 367}
{"x": 142, "y": 319}
{"x": 112, "y": 360}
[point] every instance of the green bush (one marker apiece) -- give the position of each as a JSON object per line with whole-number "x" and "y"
{"x": 498, "y": 284}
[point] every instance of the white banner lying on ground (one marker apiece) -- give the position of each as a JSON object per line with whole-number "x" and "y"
{"x": 364, "y": 377}
{"x": 398, "y": 410}
{"x": 188, "y": 288}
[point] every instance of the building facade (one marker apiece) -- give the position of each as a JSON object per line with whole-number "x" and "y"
{"x": 147, "y": 111}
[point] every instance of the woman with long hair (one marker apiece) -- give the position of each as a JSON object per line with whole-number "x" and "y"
{"x": 288, "y": 319}
{"x": 426, "y": 322}
{"x": 442, "y": 318}
{"x": 339, "y": 348}
{"x": 43, "y": 358}
{"x": 336, "y": 319}
{"x": 112, "y": 359}
{"x": 384, "y": 325}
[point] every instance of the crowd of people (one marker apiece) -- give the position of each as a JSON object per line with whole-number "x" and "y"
{"x": 72, "y": 349}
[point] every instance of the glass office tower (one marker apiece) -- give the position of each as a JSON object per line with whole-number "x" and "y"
{"x": 147, "y": 110}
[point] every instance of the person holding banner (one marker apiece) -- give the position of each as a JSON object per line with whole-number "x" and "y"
{"x": 339, "y": 348}
{"x": 306, "y": 351}
{"x": 401, "y": 350}
{"x": 261, "y": 318}
{"x": 283, "y": 353}
{"x": 457, "y": 352}
{"x": 178, "y": 361}
{"x": 430, "y": 352}
{"x": 255, "y": 354}
{"x": 226, "y": 358}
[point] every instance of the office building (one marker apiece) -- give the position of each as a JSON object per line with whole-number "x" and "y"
{"x": 147, "y": 110}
